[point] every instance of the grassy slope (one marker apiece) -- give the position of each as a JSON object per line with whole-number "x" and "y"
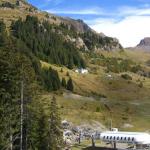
{"x": 126, "y": 102}
{"x": 9, "y": 15}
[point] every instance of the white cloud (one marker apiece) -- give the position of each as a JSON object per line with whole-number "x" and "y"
{"x": 48, "y": 2}
{"x": 128, "y": 24}
{"x": 129, "y": 31}
{"x": 89, "y": 11}
{"x": 132, "y": 11}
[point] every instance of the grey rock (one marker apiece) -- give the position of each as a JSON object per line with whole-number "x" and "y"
{"x": 144, "y": 44}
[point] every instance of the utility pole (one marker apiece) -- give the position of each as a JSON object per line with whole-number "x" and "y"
{"x": 93, "y": 141}
{"x": 115, "y": 145}
{"x": 110, "y": 124}
{"x": 21, "y": 121}
{"x": 80, "y": 137}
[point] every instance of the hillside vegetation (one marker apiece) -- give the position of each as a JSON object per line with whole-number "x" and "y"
{"x": 124, "y": 101}
{"x": 43, "y": 39}
{"x": 39, "y": 53}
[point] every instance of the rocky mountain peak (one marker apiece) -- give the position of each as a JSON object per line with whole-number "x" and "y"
{"x": 145, "y": 42}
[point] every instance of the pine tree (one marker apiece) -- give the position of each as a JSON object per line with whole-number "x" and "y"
{"x": 67, "y": 74}
{"x": 3, "y": 34}
{"x": 41, "y": 131}
{"x": 63, "y": 82}
{"x": 51, "y": 79}
{"x": 70, "y": 85}
{"x": 10, "y": 75}
{"x": 55, "y": 129}
{"x": 70, "y": 63}
{"x": 38, "y": 126}
{"x": 6, "y": 107}
{"x": 55, "y": 79}
{"x": 61, "y": 70}
{"x": 47, "y": 80}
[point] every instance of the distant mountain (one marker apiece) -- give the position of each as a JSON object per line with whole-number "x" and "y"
{"x": 144, "y": 44}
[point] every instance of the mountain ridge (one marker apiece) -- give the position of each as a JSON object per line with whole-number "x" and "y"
{"x": 144, "y": 45}
{"x": 11, "y": 9}
{"x": 43, "y": 53}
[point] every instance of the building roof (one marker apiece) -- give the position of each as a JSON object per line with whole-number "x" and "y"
{"x": 139, "y": 137}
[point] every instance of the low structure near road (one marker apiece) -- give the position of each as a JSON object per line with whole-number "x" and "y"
{"x": 82, "y": 71}
{"x": 139, "y": 140}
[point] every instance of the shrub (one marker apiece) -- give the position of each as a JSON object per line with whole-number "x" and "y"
{"x": 97, "y": 109}
{"x": 136, "y": 68}
{"x": 61, "y": 70}
{"x": 63, "y": 82}
{"x": 67, "y": 74}
{"x": 8, "y": 5}
{"x": 126, "y": 77}
{"x": 140, "y": 84}
{"x": 70, "y": 86}
{"x": 110, "y": 82}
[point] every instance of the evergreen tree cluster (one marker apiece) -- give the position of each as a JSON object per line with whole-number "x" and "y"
{"x": 51, "y": 79}
{"x": 55, "y": 129}
{"x": 18, "y": 65}
{"x": 46, "y": 131}
{"x": 14, "y": 67}
{"x": 67, "y": 85}
{"x": 45, "y": 42}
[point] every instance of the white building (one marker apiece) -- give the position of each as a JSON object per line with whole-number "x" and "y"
{"x": 109, "y": 76}
{"x": 139, "y": 139}
{"x": 82, "y": 71}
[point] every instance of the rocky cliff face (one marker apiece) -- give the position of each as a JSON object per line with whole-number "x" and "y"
{"x": 144, "y": 44}
{"x": 78, "y": 25}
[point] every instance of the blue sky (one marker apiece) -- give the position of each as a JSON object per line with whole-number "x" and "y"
{"x": 127, "y": 20}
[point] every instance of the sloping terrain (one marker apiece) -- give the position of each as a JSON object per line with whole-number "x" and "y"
{"x": 123, "y": 101}
{"x": 114, "y": 93}
{"x": 40, "y": 52}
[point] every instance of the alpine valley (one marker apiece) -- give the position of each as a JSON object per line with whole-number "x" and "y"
{"x": 58, "y": 68}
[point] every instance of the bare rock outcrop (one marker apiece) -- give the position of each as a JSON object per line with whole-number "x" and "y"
{"x": 144, "y": 44}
